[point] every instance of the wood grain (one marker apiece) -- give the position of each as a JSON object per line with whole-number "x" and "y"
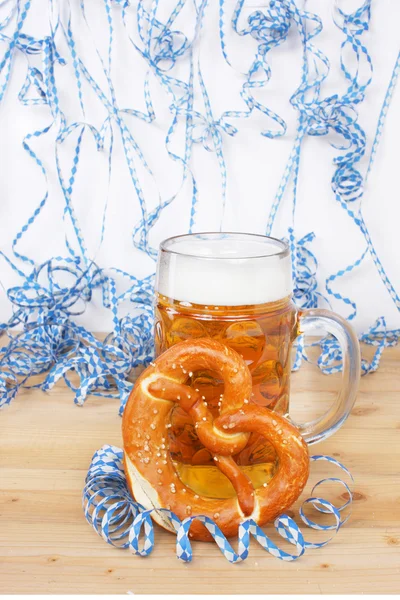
{"x": 46, "y": 546}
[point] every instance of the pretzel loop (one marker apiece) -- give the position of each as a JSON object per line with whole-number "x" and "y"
{"x": 220, "y": 443}
{"x": 150, "y": 471}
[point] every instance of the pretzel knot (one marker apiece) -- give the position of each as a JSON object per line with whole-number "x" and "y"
{"x": 149, "y": 468}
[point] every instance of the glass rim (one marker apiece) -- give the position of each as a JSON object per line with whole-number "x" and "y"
{"x": 282, "y": 248}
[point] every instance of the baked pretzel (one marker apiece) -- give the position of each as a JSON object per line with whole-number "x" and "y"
{"x": 149, "y": 468}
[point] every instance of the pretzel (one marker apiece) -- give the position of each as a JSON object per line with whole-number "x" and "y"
{"x": 150, "y": 471}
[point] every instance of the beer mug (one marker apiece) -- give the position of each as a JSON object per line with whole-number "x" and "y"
{"x": 237, "y": 288}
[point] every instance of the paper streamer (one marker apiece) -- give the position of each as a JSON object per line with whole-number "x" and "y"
{"x": 124, "y": 523}
{"x": 44, "y": 338}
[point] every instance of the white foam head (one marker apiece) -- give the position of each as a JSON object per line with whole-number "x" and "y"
{"x": 224, "y": 269}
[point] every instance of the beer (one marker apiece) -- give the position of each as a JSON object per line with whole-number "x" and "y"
{"x": 262, "y": 335}
{"x": 261, "y": 332}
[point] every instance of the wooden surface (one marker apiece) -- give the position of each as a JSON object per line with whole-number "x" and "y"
{"x": 46, "y": 546}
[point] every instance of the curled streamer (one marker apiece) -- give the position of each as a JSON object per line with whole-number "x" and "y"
{"x": 122, "y": 522}
{"x": 348, "y": 182}
{"x": 305, "y": 286}
{"x": 339, "y": 114}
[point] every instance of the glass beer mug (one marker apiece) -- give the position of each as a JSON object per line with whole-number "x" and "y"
{"x": 237, "y": 288}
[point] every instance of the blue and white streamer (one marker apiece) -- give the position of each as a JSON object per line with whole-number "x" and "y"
{"x": 124, "y": 523}
{"x": 43, "y": 337}
{"x": 319, "y": 117}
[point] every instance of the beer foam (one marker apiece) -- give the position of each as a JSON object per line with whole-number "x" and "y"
{"x": 222, "y": 269}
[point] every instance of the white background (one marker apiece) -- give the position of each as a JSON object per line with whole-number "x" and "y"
{"x": 254, "y": 163}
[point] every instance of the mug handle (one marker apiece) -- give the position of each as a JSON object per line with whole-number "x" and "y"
{"x": 316, "y": 318}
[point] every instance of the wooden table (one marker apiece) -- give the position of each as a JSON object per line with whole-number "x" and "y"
{"x": 46, "y": 546}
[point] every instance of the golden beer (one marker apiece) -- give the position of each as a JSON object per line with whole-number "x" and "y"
{"x": 262, "y": 335}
